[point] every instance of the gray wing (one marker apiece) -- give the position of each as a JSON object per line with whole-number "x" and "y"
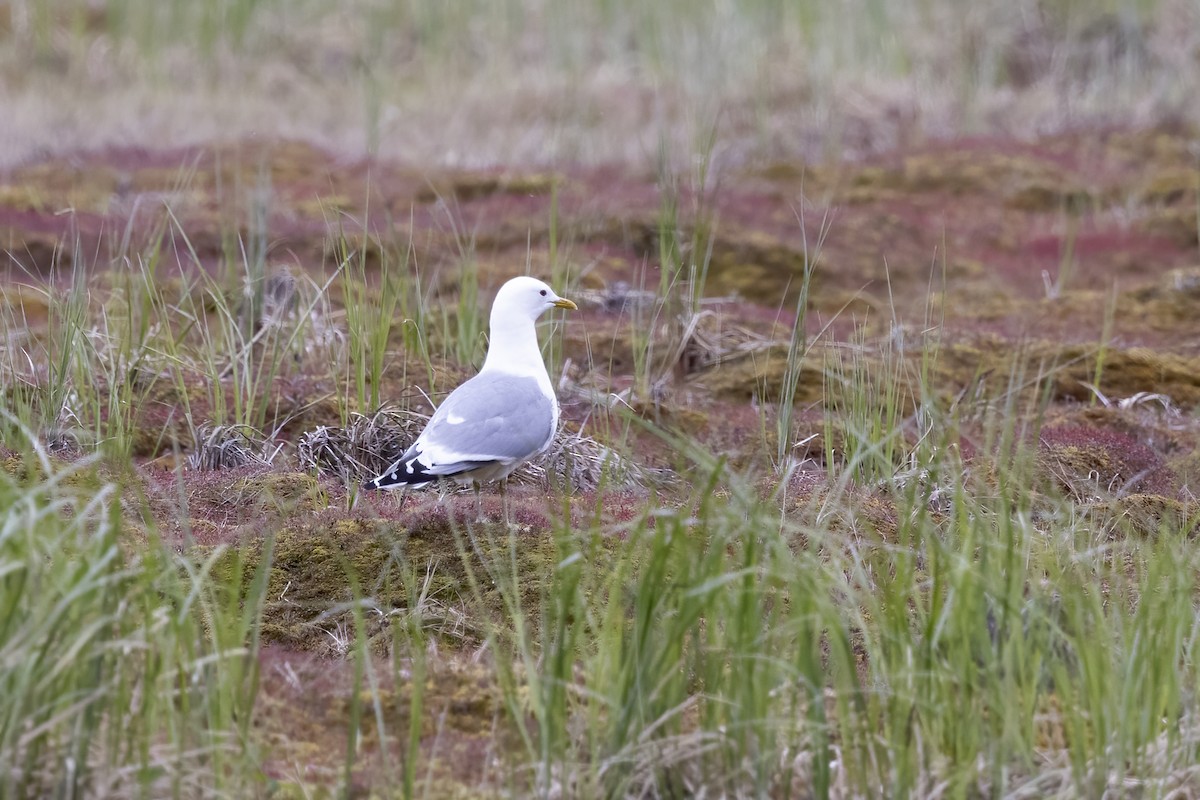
{"x": 491, "y": 417}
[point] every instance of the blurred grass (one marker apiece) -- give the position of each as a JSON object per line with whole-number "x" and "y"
{"x": 524, "y": 82}
{"x": 124, "y": 668}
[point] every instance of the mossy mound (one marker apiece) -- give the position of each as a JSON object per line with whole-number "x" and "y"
{"x": 468, "y": 186}
{"x": 1124, "y": 373}
{"x": 467, "y": 576}
{"x": 1160, "y": 428}
{"x": 29, "y": 306}
{"x": 316, "y": 565}
{"x": 485, "y": 568}
{"x": 463, "y": 697}
{"x": 26, "y": 469}
{"x": 306, "y": 717}
{"x": 812, "y": 501}
{"x": 1148, "y": 515}
{"x": 1175, "y": 223}
{"x": 1090, "y": 463}
{"x": 282, "y": 493}
{"x": 1186, "y": 468}
{"x": 996, "y": 363}
{"x": 250, "y": 495}
{"x": 58, "y": 184}
{"x": 32, "y": 252}
{"x": 756, "y": 266}
{"x": 761, "y": 375}
{"x": 1023, "y": 181}
{"x": 1167, "y": 305}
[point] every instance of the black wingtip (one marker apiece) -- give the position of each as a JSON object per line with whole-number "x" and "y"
{"x": 392, "y": 480}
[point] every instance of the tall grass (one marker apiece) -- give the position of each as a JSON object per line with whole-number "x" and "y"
{"x": 124, "y": 669}
{"x": 85, "y": 381}
{"x": 371, "y": 302}
{"x": 215, "y": 339}
{"x": 712, "y": 647}
{"x": 247, "y": 325}
{"x": 798, "y": 343}
{"x": 659, "y": 330}
{"x": 867, "y": 416}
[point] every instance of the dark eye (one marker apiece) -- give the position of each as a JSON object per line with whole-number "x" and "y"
{"x": 542, "y": 292}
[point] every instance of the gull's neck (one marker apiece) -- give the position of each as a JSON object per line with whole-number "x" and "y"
{"x": 513, "y": 349}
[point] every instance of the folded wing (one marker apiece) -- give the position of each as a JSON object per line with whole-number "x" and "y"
{"x": 486, "y": 427}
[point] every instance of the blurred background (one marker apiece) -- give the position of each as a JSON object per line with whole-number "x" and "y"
{"x": 548, "y": 82}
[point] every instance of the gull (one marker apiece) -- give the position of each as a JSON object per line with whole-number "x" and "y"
{"x": 499, "y": 419}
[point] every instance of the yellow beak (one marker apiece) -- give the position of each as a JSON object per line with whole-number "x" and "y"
{"x": 562, "y": 302}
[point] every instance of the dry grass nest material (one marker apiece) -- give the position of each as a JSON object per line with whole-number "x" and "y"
{"x": 231, "y": 447}
{"x": 369, "y": 444}
{"x": 364, "y": 448}
{"x": 578, "y": 463}
{"x": 709, "y": 339}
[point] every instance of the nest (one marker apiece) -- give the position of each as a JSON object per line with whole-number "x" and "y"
{"x": 230, "y": 447}
{"x": 363, "y": 449}
{"x": 370, "y": 444}
{"x": 578, "y": 463}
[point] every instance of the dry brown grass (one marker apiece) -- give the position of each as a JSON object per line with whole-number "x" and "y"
{"x": 224, "y": 447}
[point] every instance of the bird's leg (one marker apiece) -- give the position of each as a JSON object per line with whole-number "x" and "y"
{"x": 504, "y": 499}
{"x": 478, "y": 502}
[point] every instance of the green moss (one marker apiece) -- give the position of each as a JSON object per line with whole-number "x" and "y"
{"x": 280, "y": 492}
{"x": 1127, "y": 372}
{"x": 24, "y": 198}
{"x": 1025, "y": 183}
{"x": 202, "y": 529}
{"x": 498, "y": 559}
{"x": 28, "y": 470}
{"x": 18, "y": 467}
{"x": 312, "y": 564}
{"x": 315, "y": 559}
{"x": 1070, "y": 366}
{"x": 310, "y": 573}
{"x": 62, "y": 184}
{"x": 462, "y": 697}
{"x": 754, "y": 265}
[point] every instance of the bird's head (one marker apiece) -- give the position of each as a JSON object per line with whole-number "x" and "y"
{"x": 528, "y": 297}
